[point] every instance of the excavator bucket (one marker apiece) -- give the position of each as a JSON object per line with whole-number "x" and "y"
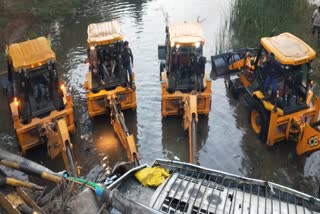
{"x": 221, "y": 63}
{"x": 310, "y": 140}
{"x": 231, "y": 62}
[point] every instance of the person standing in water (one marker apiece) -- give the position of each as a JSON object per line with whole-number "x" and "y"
{"x": 316, "y": 22}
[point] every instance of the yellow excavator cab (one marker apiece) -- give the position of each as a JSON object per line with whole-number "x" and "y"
{"x": 39, "y": 102}
{"x": 30, "y": 54}
{"x": 185, "y": 34}
{"x": 288, "y": 49}
{"x": 104, "y": 33}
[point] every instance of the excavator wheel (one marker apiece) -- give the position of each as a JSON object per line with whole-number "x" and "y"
{"x": 259, "y": 119}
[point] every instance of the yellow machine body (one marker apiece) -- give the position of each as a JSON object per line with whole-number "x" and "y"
{"x": 28, "y": 135}
{"x": 106, "y": 33}
{"x": 30, "y": 57}
{"x": 181, "y": 35}
{"x": 300, "y": 126}
{"x": 97, "y": 104}
{"x": 172, "y": 103}
{"x": 102, "y": 100}
{"x": 185, "y": 85}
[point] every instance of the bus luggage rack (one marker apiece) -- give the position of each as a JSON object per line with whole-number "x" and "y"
{"x": 198, "y": 190}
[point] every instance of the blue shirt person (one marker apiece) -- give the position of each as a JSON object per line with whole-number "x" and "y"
{"x": 273, "y": 71}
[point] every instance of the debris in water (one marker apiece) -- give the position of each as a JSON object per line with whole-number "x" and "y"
{"x": 236, "y": 156}
{"x": 251, "y": 169}
{"x": 176, "y": 158}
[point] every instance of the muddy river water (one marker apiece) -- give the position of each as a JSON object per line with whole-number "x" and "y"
{"x": 225, "y": 139}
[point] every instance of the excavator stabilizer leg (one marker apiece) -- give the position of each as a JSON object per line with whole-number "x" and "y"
{"x": 59, "y": 142}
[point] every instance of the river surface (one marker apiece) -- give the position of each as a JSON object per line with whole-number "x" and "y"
{"x": 225, "y": 139}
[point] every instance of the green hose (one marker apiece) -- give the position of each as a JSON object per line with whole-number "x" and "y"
{"x": 96, "y": 187}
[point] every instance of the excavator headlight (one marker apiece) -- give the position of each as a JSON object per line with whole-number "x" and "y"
{"x": 92, "y": 48}
{"x": 197, "y": 44}
{"x": 62, "y": 86}
{"x": 16, "y": 101}
{"x": 177, "y": 46}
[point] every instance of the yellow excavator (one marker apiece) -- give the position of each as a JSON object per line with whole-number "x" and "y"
{"x": 41, "y": 107}
{"x": 186, "y": 88}
{"x": 107, "y": 81}
{"x": 291, "y": 113}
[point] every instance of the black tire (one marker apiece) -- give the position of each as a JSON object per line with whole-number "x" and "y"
{"x": 259, "y": 117}
{"x": 233, "y": 90}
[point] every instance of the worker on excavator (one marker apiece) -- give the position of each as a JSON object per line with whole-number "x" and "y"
{"x": 127, "y": 60}
{"x": 199, "y": 68}
{"x": 273, "y": 71}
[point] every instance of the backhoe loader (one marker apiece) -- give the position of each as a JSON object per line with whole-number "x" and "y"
{"x": 290, "y": 113}
{"x": 107, "y": 81}
{"x": 186, "y": 88}
{"x": 41, "y": 108}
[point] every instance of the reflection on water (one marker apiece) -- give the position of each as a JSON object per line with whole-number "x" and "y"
{"x": 225, "y": 139}
{"x": 175, "y": 140}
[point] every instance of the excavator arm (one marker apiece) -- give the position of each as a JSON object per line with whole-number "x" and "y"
{"x": 120, "y": 128}
{"x": 190, "y": 120}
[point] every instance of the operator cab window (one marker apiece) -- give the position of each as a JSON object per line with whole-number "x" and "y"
{"x": 106, "y": 66}
{"x": 292, "y": 87}
{"x": 39, "y": 92}
{"x": 182, "y": 70}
